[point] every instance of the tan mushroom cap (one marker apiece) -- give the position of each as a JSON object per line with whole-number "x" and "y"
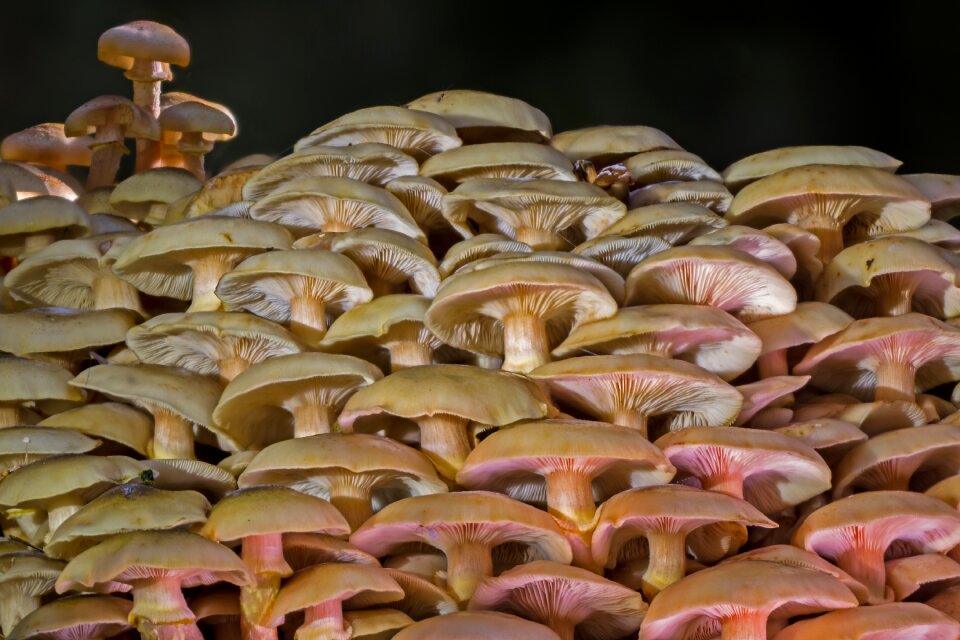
{"x": 334, "y": 204}
{"x": 418, "y": 133}
{"x": 147, "y": 195}
{"x": 708, "y": 193}
{"x": 115, "y": 114}
{"x": 124, "y": 45}
{"x": 705, "y": 336}
{"x": 920, "y": 577}
{"x": 892, "y": 276}
{"x": 76, "y": 274}
{"x": 298, "y": 288}
{"x": 124, "y": 508}
{"x": 303, "y": 550}
{"x": 887, "y": 358}
{"x": 519, "y": 309}
{"x": 47, "y": 145}
{"x": 898, "y": 459}
{"x": 83, "y": 616}
{"x": 805, "y": 247}
{"x": 389, "y": 260}
{"x": 486, "y": 117}
{"x": 720, "y": 277}
{"x": 947, "y": 490}
{"x": 636, "y": 390}
{"x": 174, "y": 98}
{"x": 651, "y": 167}
{"x": 607, "y": 144}
{"x": 422, "y": 598}
{"x": 759, "y": 244}
{"x": 369, "y": 162}
{"x": 20, "y": 446}
{"x": 833, "y": 202}
{"x": 421, "y": 196}
{"x": 480, "y": 246}
{"x": 111, "y": 421}
{"x": 30, "y": 225}
{"x": 760, "y": 165}
{"x": 193, "y": 475}
{"x": 376, "y": 624}
{"x": 619, "y": 253}
{"x": 210, "y": 343}
{"x": 809, "y": 323}
{"x": 197, "y": 117}
{"x": 832, "y": 439}
{"x": 942, "y": 190}
{"x": 938, "y": 232}
{"x": 767, "y": 394}
{"x": 896, "y": 621}
{"x": 25, "y": 577}
{"x": 19, "y": 181}
{"x": 219, "y": 191}
{"x": 676, "y": 222}
{"x": 289, "y": 396}
{"x": 28, "y": 383}
{"x": 63, "y": 336}
{"x": 508, "y": 160}
{"x": 476, "y": 625}
{"x": 534, "y": 212}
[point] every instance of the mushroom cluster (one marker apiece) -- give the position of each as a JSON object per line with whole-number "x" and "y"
{"x": 440, "y": 373}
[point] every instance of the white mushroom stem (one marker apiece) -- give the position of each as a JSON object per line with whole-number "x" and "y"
{"x": 308, "y": 319}
{"x": 324, "y": 622}
{"x": 207, "y": 272}
{"x": 16, "y": 605}
{"x": 37, "y": 241}
{"x": 570, "y": 497}
{"x": 444, "y": 439}
{"x": 773, "y": 364}
{"x": 59, "y": 509}
{"x": 667, "y": 561}
{"x": 749, "y": 625}
{"x": 110, "y": 292}
{"x": 172, "y": 436}
{"x": 896, "y": 381}
{"x": 405, "y": 354}
{"x": 525, "y": 344}
{"x": 468, "y": 562}
{"x": 310, "y": 419}
{"x": 865, "y": 563}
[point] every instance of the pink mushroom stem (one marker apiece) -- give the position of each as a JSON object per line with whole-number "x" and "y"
{"x": 264, "y": 555}
{"x": 865, "y": 563}
{"x": 896, "y": 381}
{"x": 160, "y": 602}
{"x": 525, "y": 344}
{"x": 728, "y": 483}
{"x": 324, "y": 622}
{"x": 750, "y": 625}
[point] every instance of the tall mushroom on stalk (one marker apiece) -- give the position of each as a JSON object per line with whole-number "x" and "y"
{"x": 168, "y": 153}
{"x": 486, "y": 117}
{"x": 786, "y": 335}
{"x": 45, "y": 144}
{"x": 199, "y": 126}
{"x": 520, "y": 310}
{"x": 507, "y": 160}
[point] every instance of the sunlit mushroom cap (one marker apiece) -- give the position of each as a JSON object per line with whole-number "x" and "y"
{"x": 676, "y": 222}
{"x": 219, "y": 191}
{"x": 121, "y": 46}
{"x": 418, "y": 133}
{"x": 198, "y": 117}
{"x": 486, "y": 117}
{"x": 893, "y": 621}
{"x": 509, "y": 160}
{"x": 133, "y": 121}
{"x": 369, "y": 162}
{"x": 144, "y": 196}
{"x": 44, "y": 386}
{"x": 110, "y": 421}
{"x": 605, "y": 145}
{"x": 58, "y": 334}
{"x": 40, "y": 215}
{"x": 759, "y": 165}
{"x": 19, "y": 180}
{"x": 708, "y": 193}
{"x": 759, "y": 244}
{"x": 47, "y": 145}
{"x": 84, "y": 616}
{"x": 476, "y": 625}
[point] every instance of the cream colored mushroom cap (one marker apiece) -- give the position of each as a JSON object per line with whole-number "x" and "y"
{"x": 56, "y": 330}
{"x": 134, "y": 196}
{"x": 765, "y": 163}
{"x": 266, "y": 510}
{"x": 86, "y": 616}
{"x": 473, "y": 112}
{"x": 614, "y": 142}
{"x": 511, "y": 160}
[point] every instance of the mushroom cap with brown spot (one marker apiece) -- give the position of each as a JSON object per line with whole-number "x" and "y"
{"x": 486, "y": 117}
{"x": 122, "y": 45}
{"x": 266, "y": 510}
{"x": 134, "y": 122}
{"x": 760, "y": 165}
{"x": 41, "y": 214}
{"x": 46, "y": 144}
{"x": 109, "y": 421}
{"x": 57, "y": 331}
{"x": 609, "y": 144}
{"x": 893, "y": 621}
{"x": 138, "y": 196}
{"x": 509, "y": 160}
{"x": 707, "y": 193}
{"x": 38, "y": 384}
{"x": 83, "y": 616}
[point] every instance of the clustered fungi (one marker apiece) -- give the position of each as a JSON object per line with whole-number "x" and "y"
{"x": 439, "y": 373}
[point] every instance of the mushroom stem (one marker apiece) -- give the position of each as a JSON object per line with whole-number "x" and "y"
{"x": 230, "y": 631}
{"x": 750, "y": 625}
{"x": 11, "y": 415}
{"x": 207, "y": 272}
{"x": 193, "y": 162}
{"x": 563, "y": 627}
{"x": 324, "y": 622}
{"x": 539, "y": 239}
{"x": 485, "y": 361}
{"x": 525, "y": 344}
{"x": 352, "y": 500}
{"x": 896, "y": 381}
{"x": 230, "y": 368}
{"x": 728, "y": 483}
{"x": 895, "y": 298}
{"x": 626, "y": 417}
{"x": 104, "y": 164}
{"x": 160, "y": 601}
{"x": 37, "y": 241}
{"x": 172, "y": 436}
{"x": 570, "y": 498}
{"x": 829, "y": 232}
{"x": 150, "y": 631}
{"x": 310, "y": 419}
{"x": 16, "y": 605}
{"x": 58, "y": 510}
{"x": 773, "y": 364}
{"x": 444, "y": 439}
{"x": 110, "y": 292}
{"x": 264, "y": 555}
{"x": 381, "y": 286}
{"x": 308, "y": 319}
{"x": 467, "y": 563}
{"x": 865, "y": 563}
{"x": 405, "y": 354}
{"x": 667, "y": 562}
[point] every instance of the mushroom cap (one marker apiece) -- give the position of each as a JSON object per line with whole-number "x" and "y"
{"x": 650, "y": 385}
{"x": 476, "y": 625}
{"x": 942, "y": 190}
{"x": 893, "y": 621}
{"x": 705, "y": 336}
{"x": 443, "y": 519}
{"x": 46, "y": 144}
{"x": 19, "y": 180}
{"x": 732, "y": 590}
{"x": 502, "y": 206}
{"x": 665, "y": 165}
{"x": 265, "y": 510}
{"x": 421, "y": 196}
{"x": 28, "y": 573}
{"x": 675, "y": 222}
{"x": 220, "y": 191}
{"x": 195, "y": 341}
{"x": 102, "y": 111}
{"x": 377, "y": 322}
{"x": 938, "y": 232}
{"x": 83, "y": 616}
{"x": 194, "y": 475}
{"x": 619, "y": 253}
{"x": 266, "y": 283}
{"x": 422, "y": 598}
{"x": 830, "y": 438}
{"x": 449, "y": 389}
{"x": 707, "y": 193}
{"x": 122, "y": 45}
{"x": 160, "y": 262}
{"x": 38, "y": 384}
{"x": 947, "y": 490}
{"x": 22, "y": 445}
{"x": 920, "y": 577}
{"x": 136, "y": 196}
{"x": 254, "y": 408}
{"x": 303, "y": 550}
{"x": 888, "y": 458}
{"x": 174, "y": 98}
{"x": 41, "y": 214}
{"x": 515, "y": 459}
{"x": 126, "y": 507}
{"x": 667, "y": 508}
{"x": 376, "y": 624}
{"x": 467, "y": 310}
{"x": 55, "y": 330}
{"x": 117, "y": 563}
{"x": 810, "y": 322}
{"x": 485, "y": 117}
{"x": 369, "y": 162}
{"x": 720, "y": 277}
{"x": 546, "y": 591}
{"x": 777, "y": 471}
{"x": 884, "y": 201}
{"x": 510, "y": 160}
{"x": 847, "y": 360}
{"x": 608, "y": 144}
{"x": 759, "y": 244}
{"x": 387, "y": 255}
{"x": 418, "y": 133}
{"x": 312, "y": 464}
{"x": 110, "y": 421}
{"x": 926, "y": 274}
{"x": 194, "y": 116}
{"x": 323, "y": 203}
{"x": 760, "y": 165}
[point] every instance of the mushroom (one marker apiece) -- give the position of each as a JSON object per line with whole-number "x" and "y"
{"x": 177, "y": 399}
{"x": 676, "y": 223}
{"x": 833, "y": 202}
{"x": 122, "y": 427}
{"x": 785, "y": 337}
{"x": 639, "y": 390}
{"x": 708, "y": 193}
{"x": 295, "y": 288}
{"x": 900, "y": 620}
{"x": 38, "y": 385}
{"x": 358, "y": 473}
{"x": 705, "y": 336}
{"x": 486, "y": 117}
{"x": 480, "y": 246}
{"x": 667, "y": 165}
{"x": 720, "y": 277}
{"x": 210, "y": 343}
{"x": 167, "y": 152}
{"x": 855, "y": 532}
{"x": 19, "y": 446}
{"x": 149, "y": 195}
{"x": 376, "y": 624}
{"x": 921, "y": 577}
{"x": 466, "y": 526}
{"x": 417, "y": 133}
{"x": 193, "y": 475}
{"x": 566, "y": 599}
{"x": 30, "y": 225}
{"x": 303, "y": 550}
{"x": 258, "y": 517}
{"x": 25, "y": 577}
{"x": 476, "y": 625}
{"x": 422, "y": 196}
{"x": 199, "y": 124}
{"x": 770, "y": 470}
{"x": 442, "y": 400}
{"x": 948, "y": 602}
{"x": 221, "y": 192}
{"x": 665, "y": 516}
{"x": 936, "y": 232}
{"x": 942, "y": 190}
{"x": 619, "y": 253}
{"x": 832, "y": 439}
{"x": 768, "y": 395}
{"x": 759, "y": 244}
{"x": 566, "y": 465}
{"x": 20, "y": 181}
{"x": 186, "y": 260}
{"x": 508, "y": 160}
{"x": 84, "y": 616}
{"x": 607, "y": 145}
{"x": 295, "y": 395}
{"x": 518, "y": 309}
{"x": 422, "y": 598}
{"x": 155, "y": 566}
{"x": 46, "y": 144}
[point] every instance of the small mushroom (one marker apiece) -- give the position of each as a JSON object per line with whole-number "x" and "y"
{"x": 38, "y": 385}
{"x": 46, "y": 144}
{"x": 486, "y": 117}
{"x": 788, "y": 336}
{"x": 676, "y": 223}
{"x": 942, "y": 190}
{"x": 199, "y": 124}
{"x": 19, "y": 446}
{"x": 148, "y": 196}
{"x": 121, "y": 426}
{"x": 708, "y": 193}
{"x": 918, "y": 578}
{"x": 759, "y": 244}
{"x": 832, "y": 439}
{"x": 667, "y": 165}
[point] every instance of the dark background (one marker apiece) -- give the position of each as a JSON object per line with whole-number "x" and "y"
{"x": 725, "y": 81}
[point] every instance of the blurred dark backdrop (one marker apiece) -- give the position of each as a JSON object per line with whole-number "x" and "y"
{"x": 724, "y": 81}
